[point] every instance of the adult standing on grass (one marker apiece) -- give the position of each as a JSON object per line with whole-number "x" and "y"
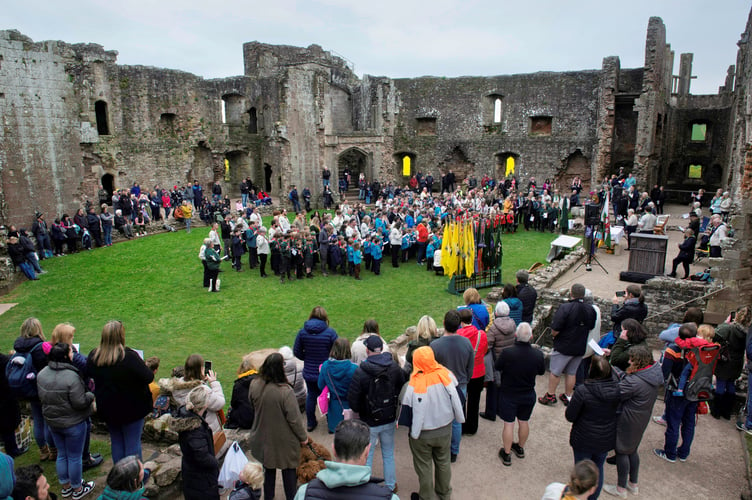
{"x": 277, "y": 433}
{"x": 312, "y": 346}
{"x": 212, "y": 267}
{"x": 262, "y": 250}
{"x": 122, "y": 390}
{"x": 30, "y": 342}
{"x": 66, "y": 404}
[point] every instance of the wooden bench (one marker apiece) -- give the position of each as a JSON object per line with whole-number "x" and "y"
{"x": 660, "y": 224}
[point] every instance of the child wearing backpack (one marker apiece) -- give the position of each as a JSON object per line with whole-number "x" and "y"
{"x": 704, "y": 338}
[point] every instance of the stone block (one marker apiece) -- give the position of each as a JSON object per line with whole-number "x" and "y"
{"x": 168, "y": 472}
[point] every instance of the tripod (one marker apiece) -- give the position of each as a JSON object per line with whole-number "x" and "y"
{"x": 590, "y": 235}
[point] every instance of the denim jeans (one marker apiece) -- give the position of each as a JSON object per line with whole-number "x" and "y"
{"x": 126, "y": 439}
{"x": 749, "y": 402}
{"x": 384, "y": 434}
{"x": 680, "y": 415}
{"x": 724, "y": 387}
{"x": 311, "y": 401}
{"x": 456, "y": 426}
{"x": 42, "y": 434}
{"x": 32, "y": 258}
{"x": 599, "y": 459}
{"x": 70, "y": 444}
{"x": 107, "y": 230}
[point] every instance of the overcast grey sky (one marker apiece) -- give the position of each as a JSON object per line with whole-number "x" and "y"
{"x": 396, "y": 38}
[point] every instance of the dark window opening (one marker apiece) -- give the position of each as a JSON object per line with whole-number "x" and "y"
{"x": 540, "y": 125}
{"x": 167, "y": 123}
{"x": 267, "y": 178}
{"x": 252, "y": 121}
{"x": 426, "y": 126}
{"x": 100, "y": 108}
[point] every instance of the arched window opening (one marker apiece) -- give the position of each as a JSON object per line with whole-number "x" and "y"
{"x": 406, "y": 164}
{"x": 100, "y": 109}
{"x": 497, "y": 110}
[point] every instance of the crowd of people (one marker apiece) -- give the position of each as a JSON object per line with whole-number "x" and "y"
{"x": 434, "y": 391}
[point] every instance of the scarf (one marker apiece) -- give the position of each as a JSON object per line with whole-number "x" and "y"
{"x": 427, "y": 371}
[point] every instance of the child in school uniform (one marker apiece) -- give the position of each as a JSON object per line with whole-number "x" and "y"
{"x": 357, "y": 259}
{"x": 377, "y": 252}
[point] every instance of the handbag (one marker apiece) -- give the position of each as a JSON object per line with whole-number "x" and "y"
{"x": 323, "y": 401}
{"x": 347, "y": 413}
{"x": 219, "y": 441}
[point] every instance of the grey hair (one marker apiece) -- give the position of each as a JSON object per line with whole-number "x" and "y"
{"x": 124, "y": 475}
{"x": 524, "y": 332}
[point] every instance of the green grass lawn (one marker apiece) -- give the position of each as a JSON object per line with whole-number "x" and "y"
{"x": 153, "y": 285}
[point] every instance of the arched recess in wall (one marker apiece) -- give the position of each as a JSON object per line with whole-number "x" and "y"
{"x": 201, "y": 167}
{"x": 507, "y": 164}
{"x": 404, "y": 164}
{"x": 252, "y": 121}
{"x": 493, "y": 109}
{"x": 240, "y": 168}
{"x": 108, "y": 183}
{"x": 234, "y": 108}
{"x": 268, "y": 172}
{"x": 457, "y": 161}
{"x": 100, "y": 110}
{"x": 356, "y": 161}
{"x": 575, "y": 165}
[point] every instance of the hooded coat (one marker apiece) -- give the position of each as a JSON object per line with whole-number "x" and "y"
{"x": 592, "y": 412}
{"x": 639, "y": 391}
{"x": 736, "y": 337}
{"x": 199, "y": 466}
{"x": 278, "y": 427}
{"x": 312, "y": 346}
{"x": 349, "y": 480}
{"x": 336, "y": 374}
{"x": 501, "y": 334}
{"x": 178, "y": 388}
{"x": 515, "y": 309}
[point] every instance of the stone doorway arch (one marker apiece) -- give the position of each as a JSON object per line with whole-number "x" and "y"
{"x": 355, "y": 161}
{"x": 575, "y": 165}
{"x": 108, "y": 183}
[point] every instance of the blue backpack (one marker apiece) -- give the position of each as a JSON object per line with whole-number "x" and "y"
{"x": 21, "y": 375}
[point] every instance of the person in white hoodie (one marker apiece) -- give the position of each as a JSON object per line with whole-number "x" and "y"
{"x": 428, "y": 413}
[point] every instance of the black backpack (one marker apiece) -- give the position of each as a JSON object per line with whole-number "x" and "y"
{"x": 382, "y": 399}
{"x": 700, "y": 383}
{"x": 21, "y": 374}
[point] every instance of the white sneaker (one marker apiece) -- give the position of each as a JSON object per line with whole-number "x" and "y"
{"x": 633, "y": 488}
{"x": 659, "y": 420}
{"x": 614, "y": 490}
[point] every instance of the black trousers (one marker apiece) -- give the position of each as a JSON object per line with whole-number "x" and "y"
{"x": 289, "y": 482}
{"x": 474, "y": 388}
{"x": 206, "y": 274}
{"x": 395, "y": 255}
{"x": 684, "y": 262}
{"x": 262, "y": 265}
{"x": 376, "y": 266}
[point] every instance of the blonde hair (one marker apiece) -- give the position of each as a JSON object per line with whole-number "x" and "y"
{"x": 112, "y": 345}
{"x": 471, "y": 296}
{"x": 197, "y": 397}
{"x": 246, "y": 364}
{"x": 63, "y": 332}
{"x": 31, "y": 327}
{"x": 253, "y": 475}
{"x": 427, "y": 328}
{"x": 706, "y": 332}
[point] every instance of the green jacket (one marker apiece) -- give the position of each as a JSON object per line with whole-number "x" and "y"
{"x": 212, "y": 258}
{"x": 338, "y": 474}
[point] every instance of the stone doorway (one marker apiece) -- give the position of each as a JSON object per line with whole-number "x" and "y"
{"x": 356, "y": 161}
{"x": 240, "y": 168}
{"x": 576, "y": 165}
{"x": 506, "y": 162}
{"x": 267, "y": 178}
{"x": 108, "y": 183}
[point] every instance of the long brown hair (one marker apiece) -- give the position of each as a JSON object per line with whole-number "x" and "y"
{"x": 31, "y": 328}
{"x": 112, "y": 345}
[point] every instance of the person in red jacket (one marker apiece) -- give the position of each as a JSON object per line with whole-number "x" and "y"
{"x": 479, "y": 341}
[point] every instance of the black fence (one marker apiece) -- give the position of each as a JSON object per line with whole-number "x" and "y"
{"x": 488, "y": 278}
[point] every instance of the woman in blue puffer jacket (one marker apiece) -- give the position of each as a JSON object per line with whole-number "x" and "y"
{"x": 312, "y": 346}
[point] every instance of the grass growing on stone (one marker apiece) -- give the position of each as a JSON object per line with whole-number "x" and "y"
{"x": 153, "y": 285}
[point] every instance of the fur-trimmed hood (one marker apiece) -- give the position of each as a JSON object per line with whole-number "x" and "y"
{"x": 177, "y": 388}
{"x": 185, "y": 420}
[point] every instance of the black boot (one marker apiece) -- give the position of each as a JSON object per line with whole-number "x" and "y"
{"x": 728, "y": 403}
